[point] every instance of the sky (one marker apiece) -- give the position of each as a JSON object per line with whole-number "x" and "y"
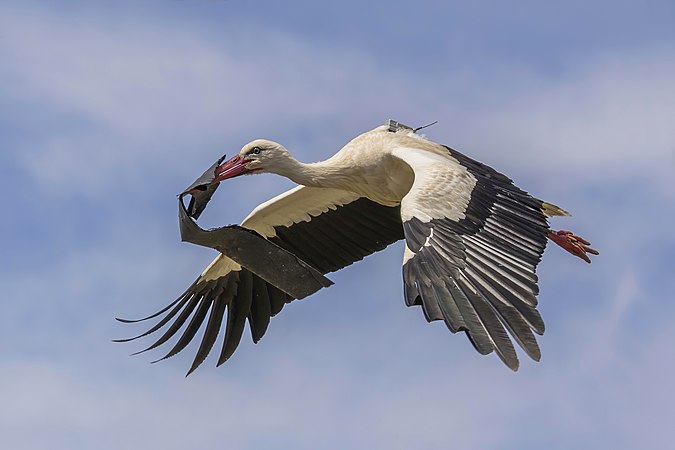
{"x": 109, "y": 109}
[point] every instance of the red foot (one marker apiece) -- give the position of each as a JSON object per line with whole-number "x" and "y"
{"x": 574, "y": 244}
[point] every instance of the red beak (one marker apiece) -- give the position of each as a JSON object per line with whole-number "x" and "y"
{"x": 231, "y": 168}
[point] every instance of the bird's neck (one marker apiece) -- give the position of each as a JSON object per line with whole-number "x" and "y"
{"x": 328, "y": 174}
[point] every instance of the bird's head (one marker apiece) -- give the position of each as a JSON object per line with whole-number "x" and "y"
{"x": 257, "y": 156}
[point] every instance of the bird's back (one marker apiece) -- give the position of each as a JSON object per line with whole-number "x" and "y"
{"x": 370, "y": 168}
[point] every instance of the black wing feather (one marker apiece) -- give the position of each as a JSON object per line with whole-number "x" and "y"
{"x": 330, "y": 241}
{"x": 261, "y": 309}
{"x": 479, "y": 272}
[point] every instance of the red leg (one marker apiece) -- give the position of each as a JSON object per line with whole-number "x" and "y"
{"x": 576, "y": 245}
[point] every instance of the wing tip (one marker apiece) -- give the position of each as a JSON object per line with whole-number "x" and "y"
{"x": 119, "y": 319}
{"x": 514, "y": 366}
{"x": 194, "y": 367}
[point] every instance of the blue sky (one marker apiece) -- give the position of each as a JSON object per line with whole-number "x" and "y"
{"x": 109, "y": 109}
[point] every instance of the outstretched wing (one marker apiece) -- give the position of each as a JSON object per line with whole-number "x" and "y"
{"x": 473, "y": 242}
{"x": 327, "y": 228}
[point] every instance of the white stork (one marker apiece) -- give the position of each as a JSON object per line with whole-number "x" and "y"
{"x": 472, "y": 241}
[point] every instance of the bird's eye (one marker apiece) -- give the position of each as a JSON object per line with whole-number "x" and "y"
{"x": 255, "y": 150}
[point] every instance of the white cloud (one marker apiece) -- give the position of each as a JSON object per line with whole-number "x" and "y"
{"x": 611, "y": 114}
{"x": 148, "y": 98}
{"x": 143, "y": 93}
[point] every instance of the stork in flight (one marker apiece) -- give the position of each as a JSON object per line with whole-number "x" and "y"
{"x": 472, "y": 241}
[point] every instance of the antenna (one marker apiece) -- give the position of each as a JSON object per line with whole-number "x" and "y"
{"x": 425, "y": 126}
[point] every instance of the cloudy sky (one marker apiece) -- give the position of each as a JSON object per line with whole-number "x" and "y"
{"x": 108, "y": 109}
